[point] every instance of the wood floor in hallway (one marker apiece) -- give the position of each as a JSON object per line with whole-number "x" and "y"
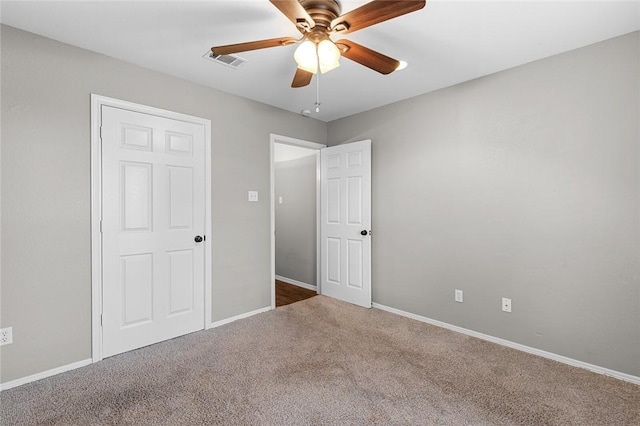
{"x": 289, "y": 293}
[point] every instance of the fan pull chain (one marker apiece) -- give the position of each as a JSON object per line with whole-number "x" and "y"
{"x": 317, "y": 103}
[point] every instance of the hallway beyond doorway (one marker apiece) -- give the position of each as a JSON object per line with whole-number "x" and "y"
{"x": 289, "y": 293}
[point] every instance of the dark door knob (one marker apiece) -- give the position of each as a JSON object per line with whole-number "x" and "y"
{"x": 363, "y": 232}
{"x": 198, "y": 239}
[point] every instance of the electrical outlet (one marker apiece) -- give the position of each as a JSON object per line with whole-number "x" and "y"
{"x": 253, "y": 196}
{"x": 506, "y": 305}
{"x": 458, "y": 296}
{"x": 6, "y": 336}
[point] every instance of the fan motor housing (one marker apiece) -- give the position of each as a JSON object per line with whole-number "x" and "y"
{"x": 322, "y": 11}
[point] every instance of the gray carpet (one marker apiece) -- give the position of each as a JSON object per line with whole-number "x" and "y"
{"x": 323, "y": 362}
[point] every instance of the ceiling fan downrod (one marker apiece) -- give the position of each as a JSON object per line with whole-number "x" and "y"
{"x": 317, "y": 102}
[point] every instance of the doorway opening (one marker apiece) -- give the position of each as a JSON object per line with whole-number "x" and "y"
{"x": 295, "y": 202}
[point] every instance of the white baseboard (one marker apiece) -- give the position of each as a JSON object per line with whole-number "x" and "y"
{"x": 549, "y": 355}
{"x": 44, "y": 374}
{"x": 296, "y": 282}
{"x": 238, "y": 317}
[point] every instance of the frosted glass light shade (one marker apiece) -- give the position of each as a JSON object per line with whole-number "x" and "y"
{"x": 329, "y": 56}
{"x": 306, "y": 56}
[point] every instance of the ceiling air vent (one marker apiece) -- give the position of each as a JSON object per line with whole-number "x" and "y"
{"x": 226, "y": 60}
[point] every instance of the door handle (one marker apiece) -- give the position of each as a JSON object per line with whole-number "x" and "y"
{"x": 364, "y": 232}
{"x": 198, "y": 239}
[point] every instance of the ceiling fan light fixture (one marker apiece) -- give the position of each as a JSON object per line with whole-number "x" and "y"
{"x": 328, "y": 56}
{"x": 306, "y": 56}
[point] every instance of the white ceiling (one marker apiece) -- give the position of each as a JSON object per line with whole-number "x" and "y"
{"x": 445, "y": 43}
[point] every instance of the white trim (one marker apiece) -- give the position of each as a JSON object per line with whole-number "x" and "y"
{"x": 96, "y": 240}
{"x": 296, "y": 142}
{"x": 239, "y": 317}
{"x": 272, "y": 212}
{"x": 273, "y": 139}
{"x": 44, "y": 374}
{"x": 296, "y": 282}
{"x": 318, "y": 227}
{"x": 208, "y": 246}
{"x": 549, "y": 355}
{"x": 97, "y": 102}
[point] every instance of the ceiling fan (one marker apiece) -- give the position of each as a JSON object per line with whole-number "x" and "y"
{"x": 318, "y": 20}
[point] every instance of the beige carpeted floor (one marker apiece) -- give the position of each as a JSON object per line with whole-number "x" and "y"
{"x": 323, "y": 362}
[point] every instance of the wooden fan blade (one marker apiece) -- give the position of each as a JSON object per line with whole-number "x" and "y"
{"x": 367, "y": 57}
{"x": 252, "y": 45}
{"x": 296, "y": 14}
{"x": 302, "y": 78}
{"x": 373, "y": 13}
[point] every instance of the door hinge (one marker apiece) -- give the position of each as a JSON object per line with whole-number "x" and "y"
{"x": 101, "y": 227}
{"x": 100, "y": 132}
{"x": 100, "y": 320}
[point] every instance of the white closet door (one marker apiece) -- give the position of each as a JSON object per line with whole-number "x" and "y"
{"x": 153, "y": 176}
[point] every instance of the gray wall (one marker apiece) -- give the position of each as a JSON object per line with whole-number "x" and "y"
{"x": 523, "y": 184}
{"x": 46, "y": 257}
{"x": 296, "y": 181}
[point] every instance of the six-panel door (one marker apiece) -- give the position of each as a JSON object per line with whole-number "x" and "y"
{"x": 345, "y": 200}
{"x": 153, "y": 177}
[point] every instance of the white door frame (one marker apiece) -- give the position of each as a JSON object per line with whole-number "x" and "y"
{"x": 97, "y": 102}
{"x": 304, "y": 144}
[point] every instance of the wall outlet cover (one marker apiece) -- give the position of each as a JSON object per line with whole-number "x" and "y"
{"x": 458, "y": 296}
{"x": 6, "y": 336}
{"x": 506, "y": 304}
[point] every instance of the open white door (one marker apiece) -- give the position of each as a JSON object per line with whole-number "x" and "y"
{"x": 153, "y": 223}
{"x": 345, "y": 199}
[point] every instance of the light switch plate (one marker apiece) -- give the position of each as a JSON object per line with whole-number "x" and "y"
{"x": 253, "y": 195}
